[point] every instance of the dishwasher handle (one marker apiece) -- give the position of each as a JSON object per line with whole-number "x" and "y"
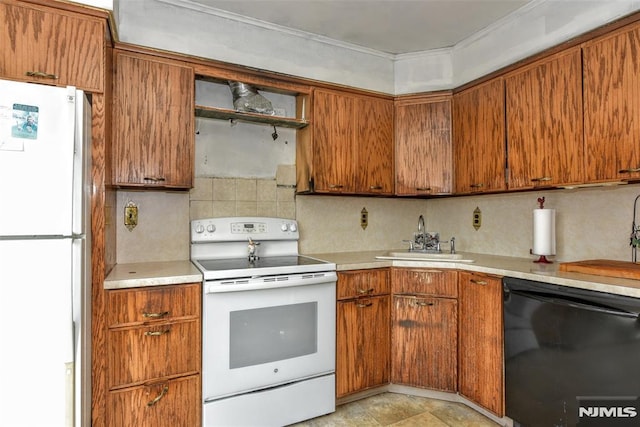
{"x": 570, "y": 302}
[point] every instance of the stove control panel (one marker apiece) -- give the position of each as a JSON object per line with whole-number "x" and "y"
{"x": 241, "y": 228}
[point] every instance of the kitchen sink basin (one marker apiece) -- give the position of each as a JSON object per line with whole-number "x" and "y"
{"x": 425, "y": 256}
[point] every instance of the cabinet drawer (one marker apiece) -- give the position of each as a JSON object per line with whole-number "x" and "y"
{"x": 155, "y": 351}
{"x": 425, "y": 281}
{"x": 174, "y": 403}
{"x": 129, "y": 307}
{"x": 357, "y": 283}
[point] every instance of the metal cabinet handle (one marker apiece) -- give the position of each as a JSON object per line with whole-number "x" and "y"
{"x": 375, "y": 187}
{"x": 541, "y": 179}
{"x": 155, "y": 315}
{"x": 156, "y": 333}
{"x": 154, "y": 179}
{"x": 336, "y": 186}
{"x": 423, "y": 188}
{"x": 365, "y": 291}
{"x": 424, "y": 303}
{"x": 479, "y": 282}
{"x": 478, "y": 185}
{"x": 364, "y": 304}
{"x": 630, "y": 170}
{"x": 162, "y": 394}
{"x": 41, "y": 74}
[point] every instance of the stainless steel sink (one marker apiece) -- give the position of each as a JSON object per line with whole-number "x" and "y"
{"x": 425, "y": 256}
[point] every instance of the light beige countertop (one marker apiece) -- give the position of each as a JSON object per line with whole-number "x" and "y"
{"x": 143, "y": 274}
{"x": 521, "y": 268}
{"x": 175, "y": 272}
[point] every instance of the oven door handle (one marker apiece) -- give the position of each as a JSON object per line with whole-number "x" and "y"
{"x": 269, "y": 282}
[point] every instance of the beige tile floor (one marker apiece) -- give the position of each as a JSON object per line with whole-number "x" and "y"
{"x": 401, "y": 410}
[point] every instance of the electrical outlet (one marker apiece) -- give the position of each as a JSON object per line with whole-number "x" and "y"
{"x": 477, "y": 218}
{"x": 364, "y": 218}
{"x": 130, "y": 216}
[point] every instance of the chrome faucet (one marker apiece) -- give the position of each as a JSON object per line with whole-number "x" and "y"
{"x": 422, "y": 231}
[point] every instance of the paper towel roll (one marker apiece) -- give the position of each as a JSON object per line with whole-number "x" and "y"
{"x": 544, "y": 231}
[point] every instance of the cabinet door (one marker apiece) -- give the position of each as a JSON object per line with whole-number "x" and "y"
{"x": 333, "y": 152}
{"x": 423, "y": 147}
{"x": 611, "y": 66}
{"x": 360, "y": 283}
{"x": 153, "y": 122}
{"x": 424, "y": 340}
{"x": 481, "y": 341}
{"x": 479, "y": 148}
{"x": 544, "y": 122}
{"x": 362, "y": 344}
{"x": 374, "y": 145}
{"x": 45, "y": 45}
{"x": 175, "y": 403}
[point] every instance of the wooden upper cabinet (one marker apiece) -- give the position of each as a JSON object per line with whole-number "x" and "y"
{"x": 611, "y": 67}
{"x": 333, "y": 153}
{"x": 153, "y": 117}
{"x": 423, "y": 145}
{"x": 352, "y": 143}
{"x": 46, "y": 45}
{"x": 479, "y": 149}
{"x": 374, "y": 142}
{"x": 544, "y": 122}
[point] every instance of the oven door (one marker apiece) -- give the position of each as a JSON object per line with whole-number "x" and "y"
{"x": 259, "y": 338}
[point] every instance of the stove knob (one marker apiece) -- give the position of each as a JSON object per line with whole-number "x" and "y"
{"x": 199, "y": 228}
{"x": 211, "y": 228}
{"x": 293, "y": 227}
{"x": 284, "y": 227}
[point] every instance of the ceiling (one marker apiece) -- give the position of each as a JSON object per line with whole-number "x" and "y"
{"x": 388, "y": 26}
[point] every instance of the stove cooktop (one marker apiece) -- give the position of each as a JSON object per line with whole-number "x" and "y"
{"x": 264, "y": 266}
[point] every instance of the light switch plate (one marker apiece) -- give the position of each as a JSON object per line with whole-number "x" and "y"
{"x": 130, "y": 216}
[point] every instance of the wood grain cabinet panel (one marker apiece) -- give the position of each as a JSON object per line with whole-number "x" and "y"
{"x": 424, "y": 328}
{"x": 424, "y": 339}
{"x": 154, "y": 356}
{"x": 159, "y": 351}
{"x": 352, "y": 143}
{"x": 359, "y": 283}
{"x": 363, "y": 336}
{"x": 479, "y": 146}
{"x": 544, "y": 122}
{"x": 374, "y": 144}
{"x": 611, "y": 72}
{"x": 157, "y": 404}
{"x": 481, "y": 359}
{"x": 51, "y": 46}
{"x": 424, "y": 162}
{"x": 153, "y": 122}
{"x": 422, "y": 281}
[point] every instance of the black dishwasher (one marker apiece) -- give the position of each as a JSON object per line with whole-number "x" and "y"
{"x": 572, "y": 356}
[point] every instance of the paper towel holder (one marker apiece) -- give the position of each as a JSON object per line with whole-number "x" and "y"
{"x": 543, "y": 258}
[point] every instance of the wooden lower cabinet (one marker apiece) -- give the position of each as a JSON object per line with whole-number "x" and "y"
{"x": 424, "y": 335}
{"x": 173, "y": 403}
{"x": 481, "y": 340}
{"x": 154, "y": 356}
{"x": 362, "y": 330}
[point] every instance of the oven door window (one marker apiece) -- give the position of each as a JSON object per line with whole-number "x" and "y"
{"x": 269, "y": 334}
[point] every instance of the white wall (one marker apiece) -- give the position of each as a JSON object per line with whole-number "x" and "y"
{"x": 183, "y": 27}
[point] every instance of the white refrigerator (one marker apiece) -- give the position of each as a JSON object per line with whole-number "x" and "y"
{"x": 44, "y": 256}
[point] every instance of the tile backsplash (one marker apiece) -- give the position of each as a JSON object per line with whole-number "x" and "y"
{"x": 216, "y": 197}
